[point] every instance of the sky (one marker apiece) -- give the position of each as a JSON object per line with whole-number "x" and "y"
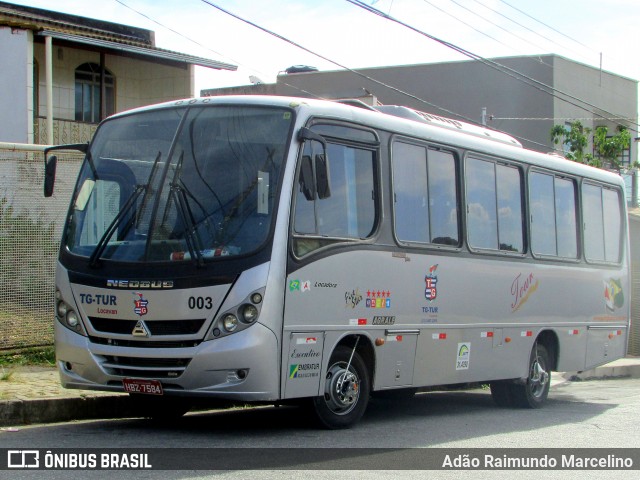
{"x": 593, "y": 32}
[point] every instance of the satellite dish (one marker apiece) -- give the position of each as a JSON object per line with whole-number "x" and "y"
{"x": 255, "y": 80}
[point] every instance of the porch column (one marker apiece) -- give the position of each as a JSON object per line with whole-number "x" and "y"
{"x": 48, "y": 55}
{"x": 103, "y": 88}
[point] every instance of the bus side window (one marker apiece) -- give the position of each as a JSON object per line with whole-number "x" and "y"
{"x": 494, "y": 206}
{"x": 603, "y": 223}
{"x": 349, "y": 212}
{"x": 425, "y": 195}
{"x": 553, "y": 215}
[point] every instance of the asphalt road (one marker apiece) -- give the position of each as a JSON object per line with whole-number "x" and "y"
{"x": 597, "y": 414}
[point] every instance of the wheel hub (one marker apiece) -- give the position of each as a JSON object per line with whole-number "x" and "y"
{"x": 342, "y": 389}
{"x": 539, "y": 378}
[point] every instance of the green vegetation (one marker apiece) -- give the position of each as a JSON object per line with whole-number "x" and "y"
{"x": 608, "y": 147}
{"x": 42, "y": 357}
{"x": 576, "y": 138}
{"x": 5, "y": 375}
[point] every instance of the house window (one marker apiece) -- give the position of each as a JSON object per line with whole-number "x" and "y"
{"x": 624, "y": 159}
{"x": 88, "y": 93}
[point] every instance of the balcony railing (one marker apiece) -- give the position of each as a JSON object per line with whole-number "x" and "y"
{"x": 64, "y": 131}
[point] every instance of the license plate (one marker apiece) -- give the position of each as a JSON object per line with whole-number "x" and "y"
{"x": 148, "y": 387}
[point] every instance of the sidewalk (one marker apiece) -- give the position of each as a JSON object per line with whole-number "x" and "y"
{"x": 33, "y": 394}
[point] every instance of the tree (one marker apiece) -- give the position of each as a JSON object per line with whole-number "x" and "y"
{"x": 608, "y": 148}
{"x": 611, "y": 147}
{"x": 576, "y": 138}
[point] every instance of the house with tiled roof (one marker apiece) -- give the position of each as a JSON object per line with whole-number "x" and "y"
{"x": 61, "y": 74}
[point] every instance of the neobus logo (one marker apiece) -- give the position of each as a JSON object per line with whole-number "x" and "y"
{"x": 140, "y": 283}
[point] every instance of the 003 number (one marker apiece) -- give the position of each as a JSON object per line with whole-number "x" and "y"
{"x": 200, "y": 303}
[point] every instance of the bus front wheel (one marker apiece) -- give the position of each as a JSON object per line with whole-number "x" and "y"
{"x": 346, "y": 390}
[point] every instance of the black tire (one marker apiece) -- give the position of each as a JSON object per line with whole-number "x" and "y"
{"x": 533, "y": 394}
{"x": 501, "y": 393}
{"x": 158, "y": 408}
{"x": 346, "y": 393}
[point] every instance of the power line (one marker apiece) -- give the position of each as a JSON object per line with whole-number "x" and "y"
{"x": 548, "y": 26}
{"x": 465, "y": 23}
{"x": 520, "y": 25}
{"x": 591, "y": 49}
{"x": 360, "y": 74}
{"x": 174, "y": 31}
{"x": 561, "y": 118}
{"x": 207, "y": 48}
{"x": 366, "y": 76}
{"x": 497, "y": 66}
{"x": 496, "y": 25}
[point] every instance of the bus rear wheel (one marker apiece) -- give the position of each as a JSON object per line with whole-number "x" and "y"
{"x": 533, "y": 393}
{"x": 501, "y": 393}
{"x": 346, "y": 391}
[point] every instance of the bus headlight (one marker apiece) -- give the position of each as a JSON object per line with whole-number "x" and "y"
{"x": 256, "y": 298}
{"x": 230, "y": 322}
{"x": 67, "y": 316}
{"x": 238, "y": 317}
{"x": 72, "y": 320}
{"x": 61, "y": 309}
{"x": 249, "y": 313}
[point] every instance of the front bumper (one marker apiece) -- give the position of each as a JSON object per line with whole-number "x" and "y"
{"x": 243, "y": 366}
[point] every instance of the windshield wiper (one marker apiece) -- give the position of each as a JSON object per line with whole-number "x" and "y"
{"x": 102, "y": 243}
{"x": 179, "y": 196}
{"x": 191, "y": 237}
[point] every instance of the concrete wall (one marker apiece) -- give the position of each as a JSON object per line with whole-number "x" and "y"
{"x": 519, "y": 102}
{"x": 15, "y": 73}
{"x": 461, "y": 87}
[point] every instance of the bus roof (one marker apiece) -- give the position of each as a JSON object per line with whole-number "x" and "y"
{"x": 405, "y": 121}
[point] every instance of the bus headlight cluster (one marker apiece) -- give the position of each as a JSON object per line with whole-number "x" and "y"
{"x": 239, "y": 318}
{"x": 66, "y": 315}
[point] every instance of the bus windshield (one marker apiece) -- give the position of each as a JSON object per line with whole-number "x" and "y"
{"x": 179, "y": 184}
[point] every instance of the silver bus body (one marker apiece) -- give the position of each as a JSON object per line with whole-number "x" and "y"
{"x": 416, "y": 313}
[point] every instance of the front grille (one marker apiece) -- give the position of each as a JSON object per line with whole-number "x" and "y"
{"x": 145, "y": 367}
{"x": 156, "y": 327}
{"x": 142, "y": 344}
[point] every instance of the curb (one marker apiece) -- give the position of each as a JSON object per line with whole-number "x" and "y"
{"x": 604, "y": 373}
{"x": 51, "y": 410}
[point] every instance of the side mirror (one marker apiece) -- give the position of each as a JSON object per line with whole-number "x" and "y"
{"x": 50, "y": 175}
{"x": 323, "y": 178}
{"x": 321, "y": 185}
{"x": 51, "y": 162}
{"x": 306, "y": 178}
